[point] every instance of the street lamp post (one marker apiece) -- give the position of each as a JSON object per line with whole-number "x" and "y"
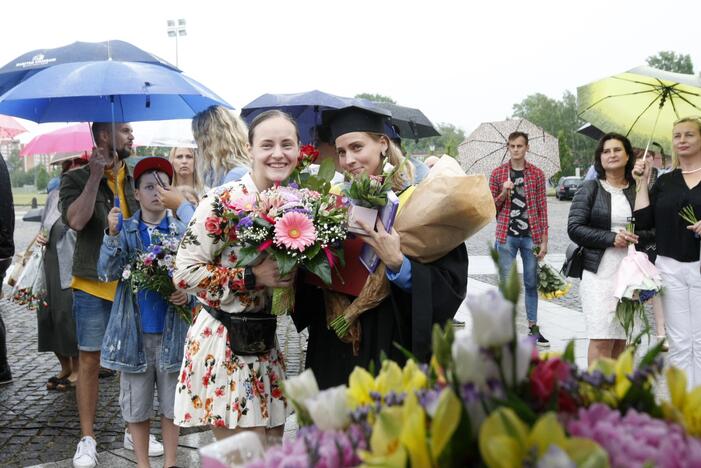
{"x": 176, "y": 28}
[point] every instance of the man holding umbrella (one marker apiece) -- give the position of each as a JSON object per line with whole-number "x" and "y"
{"x": 518, "y": 188}
{"x": 87, "y": 195}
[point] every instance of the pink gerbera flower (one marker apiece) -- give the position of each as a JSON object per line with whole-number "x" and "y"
{"x": 245, "y": 203}
{"x": 295, "y": 231}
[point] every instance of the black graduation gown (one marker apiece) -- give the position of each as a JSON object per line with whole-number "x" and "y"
{"x": 438, "y": 289}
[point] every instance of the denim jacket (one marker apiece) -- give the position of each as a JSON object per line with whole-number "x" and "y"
{"x": 122, "y": 346}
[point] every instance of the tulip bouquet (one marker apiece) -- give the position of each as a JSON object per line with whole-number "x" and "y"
{"x": 296, "y": 226}
{"x": 153, "y": 270}
{"x": 551, "y": 283}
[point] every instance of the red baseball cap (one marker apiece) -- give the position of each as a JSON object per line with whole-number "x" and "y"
{"x": 153, "y": 163}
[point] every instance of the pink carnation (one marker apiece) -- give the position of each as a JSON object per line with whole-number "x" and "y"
{"x": 295, "y": 231}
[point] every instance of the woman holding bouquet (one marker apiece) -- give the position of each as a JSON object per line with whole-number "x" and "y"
{"x": 599, "y": 215}
{"x": 420, "y": 294}
{"x": 224, "y": 382}
{"x": 677, "y": 242}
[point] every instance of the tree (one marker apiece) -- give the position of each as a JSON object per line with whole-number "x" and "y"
{"x": 376, "y": 97}
{"x": 447, "y": 143}
{"x": 559, "y": 118}
{"x": 671, "y": 61}
{"x": 42, "y": 178}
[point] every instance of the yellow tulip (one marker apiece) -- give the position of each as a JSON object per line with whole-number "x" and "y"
{"x": 389, "y": 378}
{"x": 445, "y": 421}
{"x": 360, "y": 385}
{"x": 623, "y": 368}
{"x": 412, "y": 377}
{"x": 413, "y": 435}
{"x": 684, "y": 407}
{"x": 505, "y": 441}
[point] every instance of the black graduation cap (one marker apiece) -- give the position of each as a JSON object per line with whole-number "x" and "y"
{"x": 338, "y": 122}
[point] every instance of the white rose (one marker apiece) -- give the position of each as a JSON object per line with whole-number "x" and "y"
{"x": 126, "y": 274}
{"x": 524, "y": 351}
{"x": 492, "y": 318}
{"x": 470, "y": 364}
{"x": 388, "y": 168}
{"x": 329, "y": 409}
{"x": 301, "y": 387}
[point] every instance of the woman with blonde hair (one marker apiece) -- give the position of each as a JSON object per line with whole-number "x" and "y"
{"x": 677, "y": 242}
{"x": 222, "y": 142}
{"x": 420, "y": 294}
{"x": 185, "y": 171}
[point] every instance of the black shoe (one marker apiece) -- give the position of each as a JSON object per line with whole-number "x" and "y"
{"x": 5, "y": 376}
{"x": 535, "y": 331}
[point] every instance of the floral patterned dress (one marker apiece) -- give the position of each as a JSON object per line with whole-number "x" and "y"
{"x": 216, "y": 387}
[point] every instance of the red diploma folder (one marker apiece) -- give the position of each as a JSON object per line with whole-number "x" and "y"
{"x": 352, "y": 277}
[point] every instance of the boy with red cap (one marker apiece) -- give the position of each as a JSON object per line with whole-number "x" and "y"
{"x": 145, "y": 336}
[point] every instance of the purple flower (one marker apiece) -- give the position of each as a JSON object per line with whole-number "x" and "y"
{"x": 244, "y": 222}
{"x": 636, "y": 439}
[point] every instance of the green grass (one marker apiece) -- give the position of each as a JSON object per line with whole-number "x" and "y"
{"x": 23, "y": 198}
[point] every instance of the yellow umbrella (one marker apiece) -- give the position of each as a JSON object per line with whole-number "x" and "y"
{"x": 641, "y": 104}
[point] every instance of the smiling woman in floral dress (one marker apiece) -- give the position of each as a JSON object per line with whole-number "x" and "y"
{"x": 217, "y": 387}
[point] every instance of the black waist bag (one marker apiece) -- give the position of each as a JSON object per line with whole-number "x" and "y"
{"x": 250, "y": 333}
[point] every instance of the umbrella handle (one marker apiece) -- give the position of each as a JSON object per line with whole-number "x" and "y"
{"x": 117, "y": 205}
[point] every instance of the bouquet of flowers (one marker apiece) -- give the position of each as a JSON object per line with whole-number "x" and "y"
{"x": 153, "y": 270}
{"x": 368, "y": 194}
{"x": 551, "y": 283}
{"x": 487, "y": 398}
{"x": 296, "y": 226}
{"x": 637, "y": 281}
{"x": 30, "y": 288}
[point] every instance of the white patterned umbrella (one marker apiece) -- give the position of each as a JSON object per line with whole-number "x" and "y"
{"x": 487, "y": 147}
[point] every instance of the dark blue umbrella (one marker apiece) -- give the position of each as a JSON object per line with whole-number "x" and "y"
{"x": 28, "y": 64}
{"x": 107, "y": 91}
{"x": 306, "y": 108}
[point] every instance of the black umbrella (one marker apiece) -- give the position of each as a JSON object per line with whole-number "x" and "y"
{"x": 411, "y": 123}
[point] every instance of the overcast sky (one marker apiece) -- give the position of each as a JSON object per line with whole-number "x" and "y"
{"x": 460, "y": 62}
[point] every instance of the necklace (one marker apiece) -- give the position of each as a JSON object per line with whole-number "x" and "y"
{"x": 692, "y": 171}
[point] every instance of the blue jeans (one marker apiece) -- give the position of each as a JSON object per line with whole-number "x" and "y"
{"x": 507, "y": 255}
{"x": 91, "y": 316}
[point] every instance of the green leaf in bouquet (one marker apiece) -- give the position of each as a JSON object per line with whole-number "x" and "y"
{"x": 441, "y": 347}
{"x": 319, "y": 265}
{"x": 407, "y": 354}
{"x": 327, "y": 170}
{"x": 312, "y": 251}
{"x": 568, "y": 355}
{"x": 512, "y": 286}
{"x": 247, "y": 255}
{"x": 285, "y": 263}
{"x": 462, "y": 445}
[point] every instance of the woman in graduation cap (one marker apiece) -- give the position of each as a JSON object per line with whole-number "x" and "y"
{"x": 420, "y": 294}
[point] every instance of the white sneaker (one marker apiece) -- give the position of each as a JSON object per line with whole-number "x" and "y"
{"x": 86, "y": 453}
{"x": 155, "y": 448}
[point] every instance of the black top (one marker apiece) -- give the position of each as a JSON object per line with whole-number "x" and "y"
{"x": 667, "y": 198}
{"x": 437, "y": 290}
{"x": 7, "y": 213}
{"x": 518, "y": 217}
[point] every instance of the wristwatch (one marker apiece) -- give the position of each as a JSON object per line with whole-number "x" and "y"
{"x": 249, "y": 279}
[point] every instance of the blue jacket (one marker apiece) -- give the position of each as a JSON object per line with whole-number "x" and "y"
{"x": 123, "y": 346}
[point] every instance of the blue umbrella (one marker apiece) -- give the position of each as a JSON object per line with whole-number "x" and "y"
{"x": 107, "y": 91}
{"x": 306, "y": 108}
{"x": 28, "y": 64}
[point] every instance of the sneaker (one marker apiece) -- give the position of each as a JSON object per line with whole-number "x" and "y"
{"x": 458, "y": 324}
{"x": 86, "y": 453}
{"x": 535, "y": 331}
{"x": 155, "y": 448}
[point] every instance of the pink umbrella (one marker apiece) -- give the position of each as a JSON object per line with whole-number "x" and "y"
{"x": 72, "y": 139}
{"x": 9, "y": 127}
